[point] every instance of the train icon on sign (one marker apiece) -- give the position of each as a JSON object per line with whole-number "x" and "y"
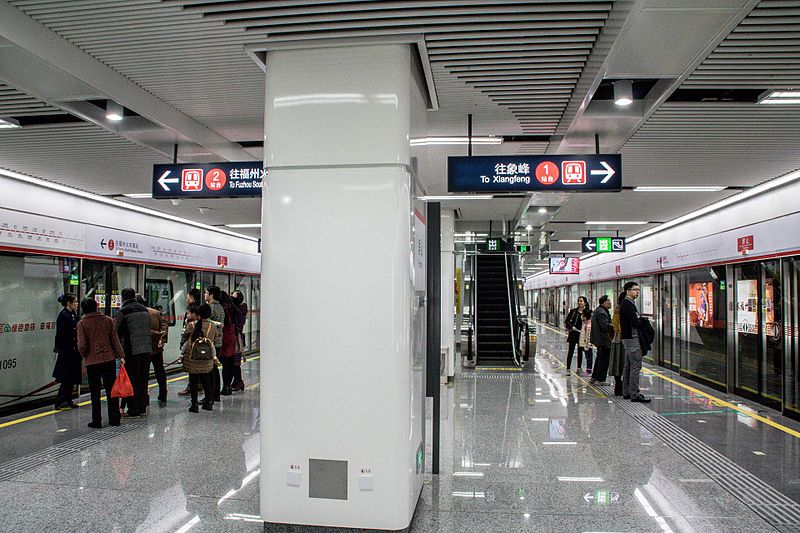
{"x": 192, "y": 179}
{"x": 573, "y": 172}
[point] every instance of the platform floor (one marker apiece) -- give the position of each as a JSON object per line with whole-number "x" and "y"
{"x": 521, "y": 451}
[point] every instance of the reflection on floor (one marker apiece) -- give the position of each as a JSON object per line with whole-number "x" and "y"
{"x": 521, "y": 451}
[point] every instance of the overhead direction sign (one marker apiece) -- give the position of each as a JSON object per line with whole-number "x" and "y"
{"x": 603, "y": 244}
{"x": 576, "y": 173}
{"x": 208, "y": 180}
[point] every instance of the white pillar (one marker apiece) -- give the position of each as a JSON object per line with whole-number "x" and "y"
{"x": 448, "y": 289}
{"x": 343, "y": 328}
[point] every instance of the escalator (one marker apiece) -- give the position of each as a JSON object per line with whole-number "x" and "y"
{"x": 493, "y": 309}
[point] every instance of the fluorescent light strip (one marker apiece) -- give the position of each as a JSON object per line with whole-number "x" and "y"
{"x": 581, "y": 479}
{"x": 560, "y": 442}
{"x": 242, "y": 226}
{"x": 716, "y": 206}
{"x": 138, "y": 195}
{"x": 679, "y": 188}
{"x": 567, "y": 240}
{"x": 781, "y": 98}
{"x": 615, "y": 223}
{"x": 427, "y": 141}
{"x": 468, "y": 474}
{"x": 117, "y": 203}
{"x": 8, "y": 124}
{"x": 456, "y": 197}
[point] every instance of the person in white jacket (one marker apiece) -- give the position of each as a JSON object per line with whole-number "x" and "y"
{"x": 584, "y": 343}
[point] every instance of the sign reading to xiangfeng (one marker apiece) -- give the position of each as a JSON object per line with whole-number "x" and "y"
{"x": 208, "y": 180}
{"x": 575, "y": 173}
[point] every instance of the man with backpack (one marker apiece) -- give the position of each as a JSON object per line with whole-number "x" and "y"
{"x": 197, "y": 349}
{"x": 630, "y": 325}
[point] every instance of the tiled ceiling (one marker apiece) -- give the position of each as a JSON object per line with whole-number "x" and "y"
{"x": 514, "y": 65}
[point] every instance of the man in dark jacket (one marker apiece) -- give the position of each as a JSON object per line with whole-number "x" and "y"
{"x": 629, "y": 324}
{"x": 601, "y": 335}
{"x": 133, "y": 329}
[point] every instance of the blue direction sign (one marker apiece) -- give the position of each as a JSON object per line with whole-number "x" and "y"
{"x": 208, "y": 180}
{"x": 576, "y": 173}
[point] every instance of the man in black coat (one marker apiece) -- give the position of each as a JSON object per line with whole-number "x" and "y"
{"x": 601, "y": 335}
{"x": 133, "y": 329}
{"x": 629, "y": 323}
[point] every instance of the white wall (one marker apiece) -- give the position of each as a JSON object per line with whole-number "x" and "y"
{"x": 448, "y": 289}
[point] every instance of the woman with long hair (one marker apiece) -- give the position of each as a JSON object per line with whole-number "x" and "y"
{"x": 238, "y": 357}
{"x": 574, "y": 323}
{"x": 67, "y": 371}
{"x": 617, "y": 360}
{"x": 229, "y": 338}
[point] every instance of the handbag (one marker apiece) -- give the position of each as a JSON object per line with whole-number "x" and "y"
{"x": 122, "y": 385}
{"x": 617, "y": 360}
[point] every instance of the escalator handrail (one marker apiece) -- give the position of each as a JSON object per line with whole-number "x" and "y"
{"x": 511, "y": 314}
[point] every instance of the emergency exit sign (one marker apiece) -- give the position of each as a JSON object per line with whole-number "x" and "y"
{"x": 603, "y": 244}
{"x": 523, "y": 248}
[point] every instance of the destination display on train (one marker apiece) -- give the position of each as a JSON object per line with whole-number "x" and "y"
{"x": 208, "y": 180}
{"x": 575, "y": 173}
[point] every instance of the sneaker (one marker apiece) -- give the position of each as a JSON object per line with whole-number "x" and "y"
{"x": 95, "y": 425}
{"x": 641, "y": 399}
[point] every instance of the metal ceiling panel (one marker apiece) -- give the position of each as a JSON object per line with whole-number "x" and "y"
{"x": 14, "y": 103}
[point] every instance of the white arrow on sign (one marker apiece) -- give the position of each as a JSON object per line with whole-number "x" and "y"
{"x": 608, "y": 172}
{"x": 588, "y": 497}
{"x": 163, "y": 180}
{"x": 591, "y": 245}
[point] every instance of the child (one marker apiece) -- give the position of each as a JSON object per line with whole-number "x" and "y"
{"x": 198, "y": 326}
{"x": 584, "y": 345}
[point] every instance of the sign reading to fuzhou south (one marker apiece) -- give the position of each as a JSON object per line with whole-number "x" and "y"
{"x": 576, "y": 173}
{"x": 208, "y": 180}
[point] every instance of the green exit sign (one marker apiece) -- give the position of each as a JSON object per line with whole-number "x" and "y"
{"x": 73, "y": 279}
{"x": 523, "y": 248}
{"x": 722, "y": 284}
{"x": 493, "y": 245}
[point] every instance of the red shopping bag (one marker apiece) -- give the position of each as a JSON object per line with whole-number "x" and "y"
{"x": 122, "y": 386}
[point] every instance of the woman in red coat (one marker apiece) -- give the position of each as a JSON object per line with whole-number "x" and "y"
{"x": 228, "y": 349}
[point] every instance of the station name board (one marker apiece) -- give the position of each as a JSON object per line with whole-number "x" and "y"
{"x": 208, "y": 180}
{"x": 575, "y": 173}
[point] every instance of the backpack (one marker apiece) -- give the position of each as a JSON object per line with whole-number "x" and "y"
{"x": 202, "y": 348}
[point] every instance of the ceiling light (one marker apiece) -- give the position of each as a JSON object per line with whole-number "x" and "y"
{"x": 615, "y": 223}
{"x": 428, "y": 141}
{"x": 456, "y": 197}
{"x": 780, "y": 97}
{"x": 542, "y": 210}
{"x": 679, "y": 188}
{"x": 114, "y": 111}
{"x": 528, "y": 227}
{"x": 623, "y": 92}
{"x": 9, "y": 123}
{"x": 567, "y": 240}
{"x": 139, "y": 195}
{"x": 587, "y": 479}
{"x": 242, "y": 225}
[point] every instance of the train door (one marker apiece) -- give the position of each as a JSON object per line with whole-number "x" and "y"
{"x": 759, "y": 344}
{"x": 670, "y": 323}
{"x": 104, "y": 282}
{"x": 792, "y": 335}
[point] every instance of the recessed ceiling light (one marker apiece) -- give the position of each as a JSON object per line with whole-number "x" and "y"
{"x": 242, "y": 225}
{"x": 542, "y": 210}
{"x": 9, "y": 123}
{"x": 139, "y": 195}
{"x": 615, "y": 223}
{"x": 623, "y": 92}
{"x": 114, "y": 111}
{"x": 456, "y": 197}
{"x": 679, "y": 188}
{"x": 780, "y": 97}
{"x": 567, "y": 240}
{"x": 428, "y": 141}
{"x": 528, "y": 227}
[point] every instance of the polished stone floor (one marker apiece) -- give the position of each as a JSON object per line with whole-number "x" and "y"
{"x": 521, "y": 451}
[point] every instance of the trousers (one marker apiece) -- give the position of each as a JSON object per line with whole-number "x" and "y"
{"x": 64, "y": 394}
{"x": 138, "y": 367}
{"x": 157, "y": 358}
{"x": 600, "y": 370}
{"x": 227, "y": 371}
{"x": 633, "y": 367}
{"x": 571, "y": 352}
{"x": 205, "y": 379}
{"x": 102, "y": 376}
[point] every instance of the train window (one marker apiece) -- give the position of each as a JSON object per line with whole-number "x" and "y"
{"x": 160, "y": 292}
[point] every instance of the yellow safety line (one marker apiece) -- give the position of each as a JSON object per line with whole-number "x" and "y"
{"x": 717, "y": 401}
{"x": 88, "y": 402}
{"x": 723, "y": 403}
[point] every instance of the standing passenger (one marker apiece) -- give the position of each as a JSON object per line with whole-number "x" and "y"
{"x": 585, "y": 344}
{"x": 229, "y": 339}
{"x": 158, "y": 333}
{"x": 617, "y": 359}
{"x": 602, "y": 334}
{"x": 573, "y": 325}
{"x": 100, "y": 347}
{"x": 629, "y": 321}
{"x": 238, "y": 357}
{"x": 198, "y": 331}
{"x": 67, "y": 371}
{"x": 192, "y": 298}
{"x": 212, "y": 296}
{"x": 133, "y": 328}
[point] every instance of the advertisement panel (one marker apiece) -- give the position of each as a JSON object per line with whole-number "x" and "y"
{"x": 701, "y": 304}
{"x": 747, "y": 306}
{"x": 565, "y": 265}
